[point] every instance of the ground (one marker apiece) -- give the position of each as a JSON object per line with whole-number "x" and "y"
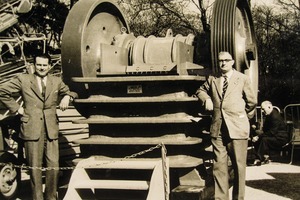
{"x": 277, "y": 180}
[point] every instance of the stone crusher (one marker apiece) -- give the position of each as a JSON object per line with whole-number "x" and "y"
{"x": 136, "y": 93}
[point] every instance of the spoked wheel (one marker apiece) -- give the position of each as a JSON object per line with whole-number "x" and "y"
{"x": 9, "y": 177}
{"x": 232, "y": 30}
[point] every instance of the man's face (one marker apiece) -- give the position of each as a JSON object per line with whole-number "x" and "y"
{"x": 225, "y": 62}
{"x": 42, "y": 66}
{"x": 267, "y": 109}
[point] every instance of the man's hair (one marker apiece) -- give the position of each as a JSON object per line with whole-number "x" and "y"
{"x": 266, "y": 103}
{"x": 42, "y": 55}
{"x": 225, "y": 53}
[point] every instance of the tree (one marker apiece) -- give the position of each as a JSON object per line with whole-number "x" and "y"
{"x": 154, "y": 17}
{"x": 278, "y": 46}
{"x": 46, "y": 17}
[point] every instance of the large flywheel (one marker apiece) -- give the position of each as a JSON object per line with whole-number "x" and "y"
{"x": 89, "y": 24}
{"x": 232, "y": 30}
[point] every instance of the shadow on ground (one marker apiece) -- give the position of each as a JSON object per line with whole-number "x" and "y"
{"x": 283, "y": 184}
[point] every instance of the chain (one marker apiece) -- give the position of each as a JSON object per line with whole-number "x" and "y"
{"x": 165, "y": 170}
{"x": 143, "y": 152}
{"x": 164, "y": 163}
{"x": 25, "y": 167}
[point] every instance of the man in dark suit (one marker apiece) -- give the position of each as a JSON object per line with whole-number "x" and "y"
{"x": 39, "y": 125}
{"x": 230, "y": 96}
{"x": 273, "y": 134}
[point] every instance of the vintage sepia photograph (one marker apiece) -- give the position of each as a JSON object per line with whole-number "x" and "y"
{"x": 149, "y": 99}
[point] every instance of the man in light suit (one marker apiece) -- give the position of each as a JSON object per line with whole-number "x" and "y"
{"x": 230, "y": 96}
{"x": 39, "y": 124}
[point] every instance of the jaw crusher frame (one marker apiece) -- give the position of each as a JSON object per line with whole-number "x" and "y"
{"x": 136, "y": 92}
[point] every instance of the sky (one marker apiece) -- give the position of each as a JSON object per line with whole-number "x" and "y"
{"x": 268, "y": 2}
{"x": 253, "y": 3}
{"x": 262, "y": 2}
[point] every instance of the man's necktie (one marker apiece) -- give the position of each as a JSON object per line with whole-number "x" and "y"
{"x": 225, "y": 85}
{"x": 43, "y": 87}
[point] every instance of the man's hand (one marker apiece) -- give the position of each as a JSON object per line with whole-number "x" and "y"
{"x": 20, "y": 111}
{"x": 255, "y": 138}
{"x": 209, "y": 105}
{"x": 64, "y": 103}
{"x": 259, "y": 132}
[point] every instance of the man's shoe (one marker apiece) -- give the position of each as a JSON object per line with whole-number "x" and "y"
{"x": 256, "y": 162}
{"x": 266, "y": 160}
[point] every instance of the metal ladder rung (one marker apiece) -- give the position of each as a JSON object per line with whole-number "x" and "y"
{"x": 157, "y": 187}
{"x": 97, "y": 162}
{"x": 113, "y": 184}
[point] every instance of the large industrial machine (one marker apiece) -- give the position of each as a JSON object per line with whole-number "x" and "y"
{"x": 137, "y": 92}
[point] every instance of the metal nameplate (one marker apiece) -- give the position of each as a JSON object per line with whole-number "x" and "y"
{"x": 134, "y": 89}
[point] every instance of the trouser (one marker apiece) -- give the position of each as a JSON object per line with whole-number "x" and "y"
{"x": 236, "y": 149}
{"x": 36, "y": 152}
{"x": 265, "y": 143}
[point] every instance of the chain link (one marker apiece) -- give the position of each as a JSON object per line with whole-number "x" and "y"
{"x": 164, "y": 163}
{"x": 25, "y": 167}
{"x": 165, "y": 169}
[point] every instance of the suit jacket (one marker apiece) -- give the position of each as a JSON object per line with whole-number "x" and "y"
{"x": 38, "y": 112}
{"x": 274, "y": 126}
{"x": 235, "y": 109}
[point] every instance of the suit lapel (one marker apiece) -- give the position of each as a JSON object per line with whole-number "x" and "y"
{"x": 35, "y": 87}
{"x": 234, "y": 79}
{"x": 49, "y": 86}
{"x": 217, "y": 82}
